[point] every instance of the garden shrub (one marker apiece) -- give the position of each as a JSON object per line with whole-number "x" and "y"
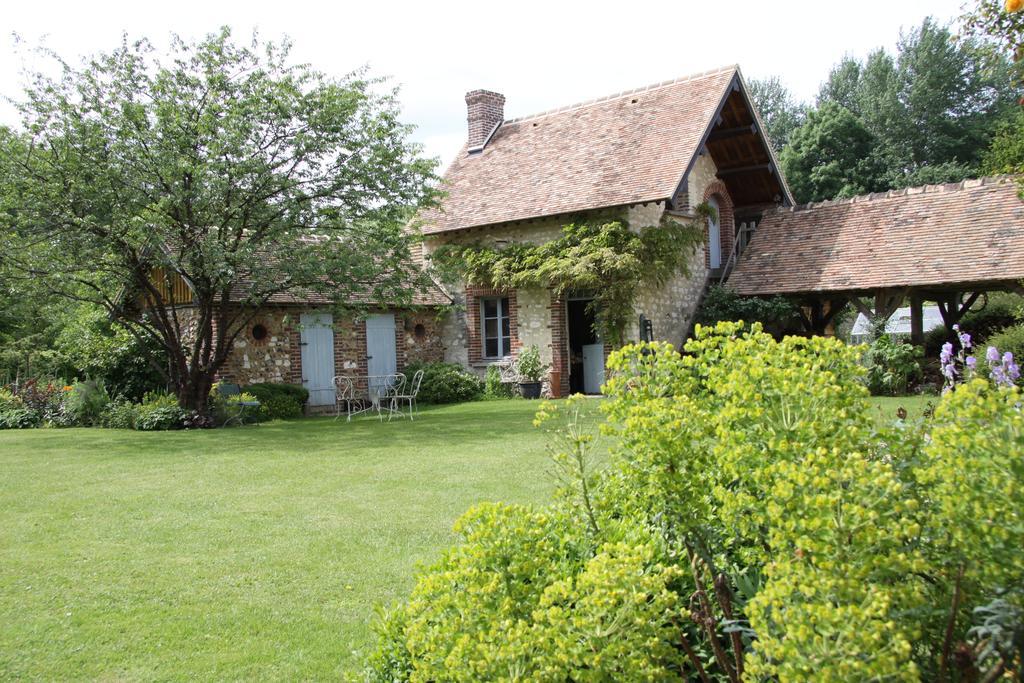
{"x": 1002, "y": 310}
{"x": 44, "y": 397}
{"x": 892, "y": 366}
{"x": 85, "y": 402}
{"x": 279, "y": 401}
{"x": 777, "y": 313}
{"x": 493, "y": 386}
{"x": 159, "y": 412}
{"x": 19, "y": 418}
{"x": 446, "y": 383}
{"x": 9, "y": 400}
{"x": 752, "y": 523}
{"x": 119, "y": 414}
{"x": 90, "y": 345}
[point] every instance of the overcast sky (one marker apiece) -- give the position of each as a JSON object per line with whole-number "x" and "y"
{"x": 540, "y": 54}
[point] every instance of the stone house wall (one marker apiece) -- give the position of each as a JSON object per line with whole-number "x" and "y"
{"x": 539, "y": 318}
{"x": 278, "y": 357}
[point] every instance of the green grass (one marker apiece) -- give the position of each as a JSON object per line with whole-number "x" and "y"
{"x": 886, "y": 407}
{"x": 236, "y": 554}
{"x": 252, "y": 553}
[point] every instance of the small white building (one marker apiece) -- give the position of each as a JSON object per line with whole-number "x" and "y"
{"x": 898, "y": 324}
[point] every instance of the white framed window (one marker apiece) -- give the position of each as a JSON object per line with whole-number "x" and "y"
{"x": 496, "y": 330}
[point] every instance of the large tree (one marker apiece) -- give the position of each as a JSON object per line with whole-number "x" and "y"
{"x": 831, "y": 155}
{"x": 933, "y": 106}
{"x": 779, "y": 110}
{"x": 221, "y": 163}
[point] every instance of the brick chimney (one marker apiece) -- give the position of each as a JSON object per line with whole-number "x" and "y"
{"x": 485, "y": 110}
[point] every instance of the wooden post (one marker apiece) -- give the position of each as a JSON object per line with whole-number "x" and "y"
{"x": 916, "y": 320}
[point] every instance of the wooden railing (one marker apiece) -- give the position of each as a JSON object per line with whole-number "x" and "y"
{"x": 744, "y": 233}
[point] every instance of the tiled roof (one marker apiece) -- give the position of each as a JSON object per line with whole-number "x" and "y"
{"x": 969, "y": 232}
{"x": 628, "y": 148}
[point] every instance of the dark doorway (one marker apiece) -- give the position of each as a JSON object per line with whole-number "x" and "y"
{"x": 581, "y": 334}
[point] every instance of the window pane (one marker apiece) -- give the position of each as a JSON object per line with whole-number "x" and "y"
{"x": 491, "y": 348}
{"x": 504, "y": 327}
{"x": 504, "y": 306}
{"x": 491, "y": 328}
{"x": 490, "y": 308}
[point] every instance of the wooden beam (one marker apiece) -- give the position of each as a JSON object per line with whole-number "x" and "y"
{"x": 916, "y": 319}
{"x": 747, "y": 169}
{"x": 817, "y": 314}
{"x": 862, "y": 307}
{"x": 726, "y": 133}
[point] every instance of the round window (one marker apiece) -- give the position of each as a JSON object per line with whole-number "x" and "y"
{"x": 419, "y": 331}
{"x": 259, "y": 332}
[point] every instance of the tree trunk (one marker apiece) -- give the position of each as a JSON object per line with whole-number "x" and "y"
{"x": 194, "y": 395}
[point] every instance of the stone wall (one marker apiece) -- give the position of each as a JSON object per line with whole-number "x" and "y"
{"x": 274, "y": 358}
{"x": 277, "y": 356}
{"x": 540, "y": 317}
{"x": 419, "y": 337}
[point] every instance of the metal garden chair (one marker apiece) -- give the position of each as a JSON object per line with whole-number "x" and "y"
{"x": 409, "y": 395}
{"x": 237, "y": 410}
{"x": 344, "y": 392}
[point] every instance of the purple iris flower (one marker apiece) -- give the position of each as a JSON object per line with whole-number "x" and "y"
{"x": 947, "y": 353}
{"x": 992, "y": 355}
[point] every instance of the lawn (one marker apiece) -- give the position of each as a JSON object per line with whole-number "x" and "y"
{"x": 251, "y": 553}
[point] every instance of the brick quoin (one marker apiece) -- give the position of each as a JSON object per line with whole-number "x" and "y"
{"x": 475, "y": 333}
{"x": 560, "y": 342}
{"x": 726, "y": 220}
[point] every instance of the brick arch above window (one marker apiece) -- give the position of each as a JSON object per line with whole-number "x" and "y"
{"x": 726, "y": 219}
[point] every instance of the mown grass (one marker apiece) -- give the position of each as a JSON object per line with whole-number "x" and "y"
{"x": 251, "y": 553}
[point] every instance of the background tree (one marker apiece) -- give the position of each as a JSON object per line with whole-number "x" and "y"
{"x": 831, "y": 155}
{"x": 931, "y": 109}
{"x": 225, "y": 164}
{"x": 779, "y": 110}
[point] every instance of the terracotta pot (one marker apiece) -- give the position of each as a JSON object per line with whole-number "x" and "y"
{"x": 555, "y": 380}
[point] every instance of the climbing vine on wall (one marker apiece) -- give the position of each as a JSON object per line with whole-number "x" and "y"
{"x": 609, "y": 260}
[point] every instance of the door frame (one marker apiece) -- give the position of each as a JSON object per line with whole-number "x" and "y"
{"x": 304, "y": 371}
{"x": 568, "y": 339}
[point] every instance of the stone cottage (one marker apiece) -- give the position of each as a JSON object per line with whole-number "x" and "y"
{"x": 633, "y": 156}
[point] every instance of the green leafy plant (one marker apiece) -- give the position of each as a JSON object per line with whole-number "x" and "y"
{"x": 529, "y": 365}
{"x": 159, "y": 412}
{"x": 893, "y": 365}
{"x": 85, "y": 402}
{"x": 119, "y": 414}
{"x": 279, "y": 401}
{"x": 19, "y": 418}
{"x": 446, "y": 383}
{"x": 753, "y": 523}
{"x": 997, "y": 311}
{"x": 608, "y": 259}
{"x": 15, "y": 413}
{"x": 720, "y": 303}
{"x": 493, "y": 386}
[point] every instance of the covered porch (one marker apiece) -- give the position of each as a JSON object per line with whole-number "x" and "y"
{"x": 944, "y": 243}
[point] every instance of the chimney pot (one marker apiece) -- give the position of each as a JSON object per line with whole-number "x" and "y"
{"x": 485, "y": 110}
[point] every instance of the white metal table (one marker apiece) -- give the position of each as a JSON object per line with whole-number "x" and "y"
{"x": 368, "y": 392}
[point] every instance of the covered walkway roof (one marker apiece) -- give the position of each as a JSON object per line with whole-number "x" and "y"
{"x": 961, "y": 237}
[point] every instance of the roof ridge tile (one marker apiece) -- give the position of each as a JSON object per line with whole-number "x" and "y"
{"x": 624, "y": 93}
{"x": 935, "y": 188}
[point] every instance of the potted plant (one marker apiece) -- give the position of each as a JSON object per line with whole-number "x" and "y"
{"x": 530, "y": 372}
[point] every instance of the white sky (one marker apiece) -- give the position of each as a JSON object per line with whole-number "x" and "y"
{"x": 539, "y": 54}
